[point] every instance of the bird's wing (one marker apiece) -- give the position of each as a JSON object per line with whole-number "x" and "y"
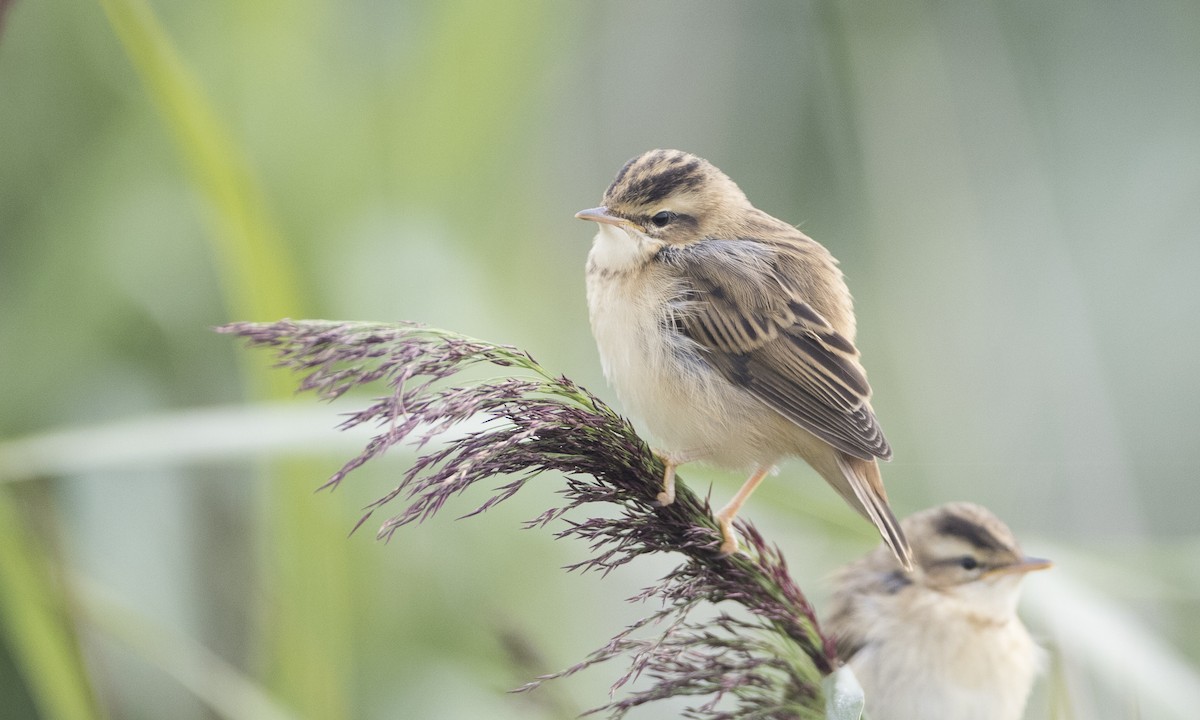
{"x": 742, "y": 301}
{"x": 861, "y": 593}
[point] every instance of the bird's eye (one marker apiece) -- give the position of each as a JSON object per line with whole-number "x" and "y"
{"x": 662, "y": 218}
{"x": 968, "y": 563}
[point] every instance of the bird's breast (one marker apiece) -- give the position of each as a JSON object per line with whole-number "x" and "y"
{"x": 661, "y": 376}
{"x": 930, "y": 660}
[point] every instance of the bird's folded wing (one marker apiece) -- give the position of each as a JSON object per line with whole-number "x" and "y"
{"x": 742, "y": 302}
{"x": 861, "y": 591}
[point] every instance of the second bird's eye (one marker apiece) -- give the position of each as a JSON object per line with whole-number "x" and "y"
{"x": 662, "y": 218}
{"x": 968, "y": 563}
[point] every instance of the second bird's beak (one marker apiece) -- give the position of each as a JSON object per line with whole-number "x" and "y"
{"x": 1022, "y": 566}
{"x": 601, "y": 215}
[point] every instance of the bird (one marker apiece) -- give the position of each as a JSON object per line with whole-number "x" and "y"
{"x": 943, "y": 639}
{"x": 730, "y": 334}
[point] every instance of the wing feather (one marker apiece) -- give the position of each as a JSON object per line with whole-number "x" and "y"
{"x": 743, "y": 301}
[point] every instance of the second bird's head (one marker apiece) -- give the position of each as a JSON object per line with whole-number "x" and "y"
{"x": 966, "y": 554}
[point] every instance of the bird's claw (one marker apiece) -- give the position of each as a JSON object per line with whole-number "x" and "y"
{"x": 729, "y": 541}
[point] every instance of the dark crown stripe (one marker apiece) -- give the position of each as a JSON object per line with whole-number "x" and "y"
{"x": 970, "y": 531}
{"x": 621, "y": 175}
{"x": 660, "y": 185}
{"x": 653, "y": 181}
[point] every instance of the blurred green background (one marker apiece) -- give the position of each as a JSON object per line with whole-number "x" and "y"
{"x": 1013, "y": 189}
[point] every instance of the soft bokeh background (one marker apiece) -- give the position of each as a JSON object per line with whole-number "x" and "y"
{"x": 1013, "y": 189}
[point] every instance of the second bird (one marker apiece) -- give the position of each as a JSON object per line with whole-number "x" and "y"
{"x": 731, "y": 334}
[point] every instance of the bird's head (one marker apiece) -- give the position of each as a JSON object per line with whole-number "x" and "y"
{"x": 670, "y": 197}
{"x": 963, "y": 551}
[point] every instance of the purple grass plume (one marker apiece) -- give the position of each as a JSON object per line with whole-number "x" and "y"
{"x": 735, "y": 633}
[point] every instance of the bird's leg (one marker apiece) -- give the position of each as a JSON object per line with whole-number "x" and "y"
{"x": 672, "y": 461}
{"x": 725, "y": 515}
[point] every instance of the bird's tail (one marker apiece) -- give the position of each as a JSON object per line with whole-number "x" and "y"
{"x": 871, "y": 500}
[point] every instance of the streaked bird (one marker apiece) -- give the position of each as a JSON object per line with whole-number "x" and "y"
{"x": 942, "y": 640}
{"x": 731, "y": 334}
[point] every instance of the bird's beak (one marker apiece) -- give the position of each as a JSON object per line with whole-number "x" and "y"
{"x": 1022, "y": 566}
{"x": 601, "y": 215}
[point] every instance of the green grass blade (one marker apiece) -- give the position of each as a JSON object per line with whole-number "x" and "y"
{"x": 34, "y": 619}
{"x": 220, "y": 686}
{"x": 309, "y": 616}
{"x": 254, "y": 262}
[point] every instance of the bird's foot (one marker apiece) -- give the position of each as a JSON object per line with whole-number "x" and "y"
{"x": 729, "y": 541}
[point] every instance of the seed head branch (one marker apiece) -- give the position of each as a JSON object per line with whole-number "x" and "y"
{"x": 734, "y": 632}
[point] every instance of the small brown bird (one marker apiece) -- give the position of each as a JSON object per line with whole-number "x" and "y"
{"x": 731, "y": 334}
{"x": 941, "y": 640}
